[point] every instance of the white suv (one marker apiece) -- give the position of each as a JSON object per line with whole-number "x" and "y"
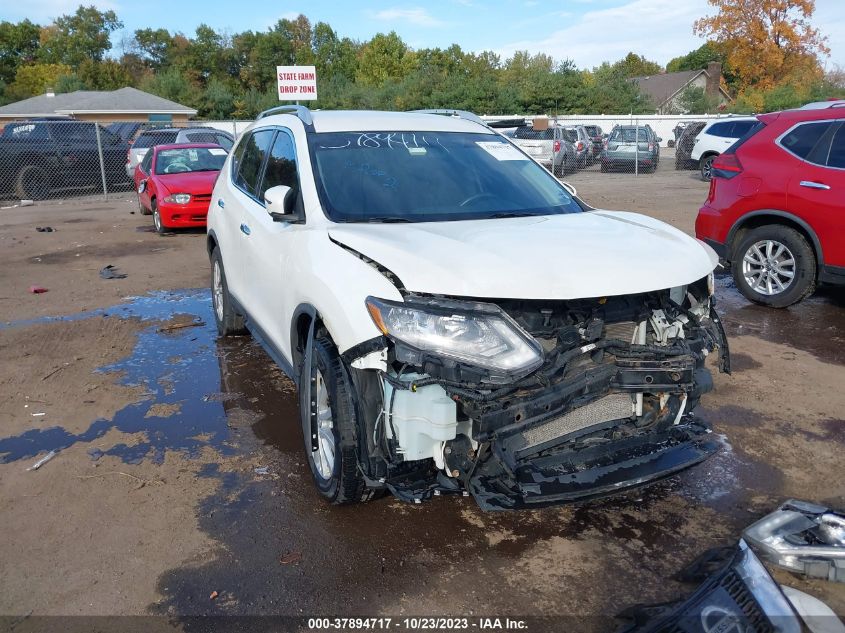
{"x": 456, "y": 320}
{"x": 716, "y": 137}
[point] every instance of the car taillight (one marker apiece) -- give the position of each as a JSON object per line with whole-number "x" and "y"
{"x": 605, "y": 142}
{"x": 557, "y": 146}
{"x": 128, "y": 157}
{"x": 726, "y": 166}
{"x": 580, "y": 146}
{"x": 651, "y": 147}
{"x": 711, "y": 195}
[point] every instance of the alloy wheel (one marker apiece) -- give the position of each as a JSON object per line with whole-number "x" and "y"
{"x": 218, "y": 291}
{"x": 768, "y": 267}
{"x": 324, "y": 456}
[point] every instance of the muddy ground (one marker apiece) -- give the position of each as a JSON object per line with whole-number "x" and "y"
{"x": 179, "y": 472}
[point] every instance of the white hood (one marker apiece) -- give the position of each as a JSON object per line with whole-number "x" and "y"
{"x": 580, "y": 255}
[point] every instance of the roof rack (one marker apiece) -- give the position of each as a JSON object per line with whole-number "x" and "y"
{"x": 300, "y": 111}
{"x": 459, "y": 114}
{"x": 821, "y": 105}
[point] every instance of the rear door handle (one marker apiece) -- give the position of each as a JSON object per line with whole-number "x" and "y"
{"x": 245, "y": 229}
{"x": 814, "y": 185}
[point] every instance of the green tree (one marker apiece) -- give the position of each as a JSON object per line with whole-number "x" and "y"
{"x": 217, "y": 101}
{"x": 105, "y": 75}
{"x": 383, "y": 58}
{"x": 85, "y": 34}
{"x": 171, "y": 84}
{"x": 154, "y": 46}
{"x": 633, "y": 65}
{"x": 34, "y": 79}
{"x": 695, "y": 100}
{"x": 19, "y": 44}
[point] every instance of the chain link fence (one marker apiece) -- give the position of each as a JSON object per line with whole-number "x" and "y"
{"x": 56, "y": 159}
{"x": 571, "y": 147}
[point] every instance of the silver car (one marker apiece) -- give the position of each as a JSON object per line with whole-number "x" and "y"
{"x": 579, "y": 138}
{"x": 549, "y": 147}
{"x": 166, "y": 136}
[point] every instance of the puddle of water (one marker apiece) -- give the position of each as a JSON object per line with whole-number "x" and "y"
{"x": 177, "y": 387}
{"x": 816, "y": 325}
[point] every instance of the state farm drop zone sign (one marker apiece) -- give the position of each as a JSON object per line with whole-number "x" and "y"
{"x": 296, "y": 83}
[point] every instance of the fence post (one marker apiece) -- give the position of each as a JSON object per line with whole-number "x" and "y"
{"x": 637, "y": 149}
{"x": 102, "y": 162}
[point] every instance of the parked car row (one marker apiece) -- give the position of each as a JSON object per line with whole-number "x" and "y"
{"x": 49, "y": 156}
{"x": 566, "y": 148}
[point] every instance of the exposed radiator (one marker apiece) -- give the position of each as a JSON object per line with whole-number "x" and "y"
{"x": 624, "y": 330}
{"x": 613, "y": 407}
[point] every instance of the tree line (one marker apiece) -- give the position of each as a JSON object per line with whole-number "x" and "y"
{"x": 226, "y": 75}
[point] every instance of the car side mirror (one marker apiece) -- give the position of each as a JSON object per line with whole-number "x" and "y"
{"x": 279, "y": 202}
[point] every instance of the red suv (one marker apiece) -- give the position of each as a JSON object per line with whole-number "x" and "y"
{"x": 776, "y": 207}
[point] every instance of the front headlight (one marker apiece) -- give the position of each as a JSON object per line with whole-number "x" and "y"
{"x": 478, "y": 334}
{"x": 178, "y": 198}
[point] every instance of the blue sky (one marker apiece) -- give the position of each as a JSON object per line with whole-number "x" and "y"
{"x": 587, "y": 31}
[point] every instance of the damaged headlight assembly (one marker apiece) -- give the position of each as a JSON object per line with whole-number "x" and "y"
{"x": 478, "y": 335}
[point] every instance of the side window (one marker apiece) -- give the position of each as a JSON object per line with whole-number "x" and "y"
{"x": 836, "y": 158}
{"x": 148, "y": 159}
{"x": 718, "y": 129}
{"x": 281, "y": 165}
{"x": 249, "y": 167}
{"x": 803, "y": 138}
{"x": 223, "y": 141}
{"x": 741, "y": 128}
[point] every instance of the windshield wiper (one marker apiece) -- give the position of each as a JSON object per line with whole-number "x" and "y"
{"x": 511, "y": 214}
{"x": 387, "y": 219}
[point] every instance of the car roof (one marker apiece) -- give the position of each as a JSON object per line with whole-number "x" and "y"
{"x": 377, "y": 121}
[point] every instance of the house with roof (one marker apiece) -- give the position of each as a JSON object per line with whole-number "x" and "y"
{"x": 665, "y": 89}
{"x": 125, "y": 104}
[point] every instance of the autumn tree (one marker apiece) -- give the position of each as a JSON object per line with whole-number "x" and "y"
{"x": 85, "y": 34}
{"x": 765, "y": 41}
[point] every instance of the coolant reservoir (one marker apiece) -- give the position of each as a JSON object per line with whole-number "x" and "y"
{"x": 422, "y": 419}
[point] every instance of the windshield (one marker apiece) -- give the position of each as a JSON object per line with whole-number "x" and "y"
{"x": 431, "y": 177}
{"x": 184, "y": 160}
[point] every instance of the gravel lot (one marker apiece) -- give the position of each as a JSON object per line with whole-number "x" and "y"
{"x": 153, "y": 503}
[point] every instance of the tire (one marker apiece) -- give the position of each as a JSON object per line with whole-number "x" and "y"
{"x": 558, "y": 170}
{"x": 604, "y": 167}
{"x": 761, "y": 272}
{"x": 705, "y": 167}
{"x": 333, "y": 399}
{"x": 229, "y": 322}
{"x": 142, "y": 209}
{"x": 157, "y": 221}
{"x": 32, "y": 184}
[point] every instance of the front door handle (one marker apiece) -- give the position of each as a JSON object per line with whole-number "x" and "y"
{"x": 220, "y": 203}
{"x": 814, "y": 185}
{"x": 245, "y": 229}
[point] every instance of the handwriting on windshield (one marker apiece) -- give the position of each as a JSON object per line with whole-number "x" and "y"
{"x": 389, "y": 140}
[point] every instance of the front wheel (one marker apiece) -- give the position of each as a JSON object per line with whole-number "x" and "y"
{"x": 228, "y": 321}
{"x": 142, "y": 209}
{"x": 774, "y": 266}
{"x": 32, "y": 183}
{"x": 157, "y": 221}
{"x": 331, "y": 452}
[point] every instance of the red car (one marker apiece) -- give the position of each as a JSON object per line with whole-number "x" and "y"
{"x": 174, "y": 183}
{"x": 776, "y": 207}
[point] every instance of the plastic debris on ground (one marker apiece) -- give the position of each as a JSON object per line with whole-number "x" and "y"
{"x": 37, "y": 290}
{"x": 112, "y": 272}
{"x": 802, "y": 537}
{"x": 45, "y": 229}
{"x": 43, "y": 460}
{"x": 262, "y": 470}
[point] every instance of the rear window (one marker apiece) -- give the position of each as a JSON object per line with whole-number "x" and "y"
{"x": 570, "y": 135}
{"x": 31, "y": 131}
{"x": 755, "y": 127}
{"x": 627, "y": 135}
{"x": 149, "y": 139}
{"x": 529, "y": 133}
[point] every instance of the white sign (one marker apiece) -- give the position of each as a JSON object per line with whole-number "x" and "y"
{"x": 296, "y": 83}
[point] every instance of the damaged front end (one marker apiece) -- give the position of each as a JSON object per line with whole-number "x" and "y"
{"x": 525, "y": 403}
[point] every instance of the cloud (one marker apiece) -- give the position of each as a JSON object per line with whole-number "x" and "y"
{"x": 657, "y": 29}
{"x": 416, "y": 16}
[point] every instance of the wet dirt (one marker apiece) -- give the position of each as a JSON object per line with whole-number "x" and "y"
{"x": 182, "y": 473}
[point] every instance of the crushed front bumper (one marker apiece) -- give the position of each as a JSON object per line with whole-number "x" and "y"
{"x": 595, "y": 471}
